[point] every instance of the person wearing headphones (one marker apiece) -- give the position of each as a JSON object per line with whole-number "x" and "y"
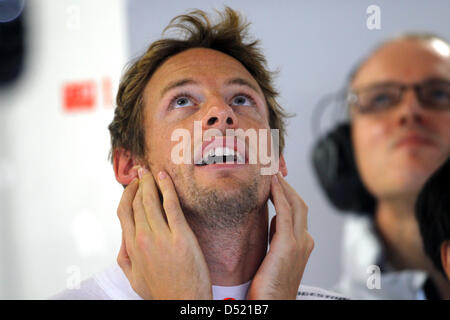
{"x": 375, "y": 165}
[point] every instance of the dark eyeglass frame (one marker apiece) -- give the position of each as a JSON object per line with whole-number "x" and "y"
{"x": 353, "y": 95}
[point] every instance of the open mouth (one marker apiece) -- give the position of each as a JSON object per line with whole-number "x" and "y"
{"x": 221, "y": 155}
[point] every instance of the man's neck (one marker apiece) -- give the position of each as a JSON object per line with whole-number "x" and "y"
{"x": 399, "y": 231}
{"x": 234, "y": 256}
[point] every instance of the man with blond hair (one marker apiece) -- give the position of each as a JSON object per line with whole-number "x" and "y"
{"x": 199, "y": 229}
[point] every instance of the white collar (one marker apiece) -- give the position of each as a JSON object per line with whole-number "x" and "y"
{"x": 115, "y": 284}
{"x": 238, "y": 292}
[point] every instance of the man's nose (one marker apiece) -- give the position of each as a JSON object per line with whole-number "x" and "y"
{"x": 411, "y": 110}
{"x": 219, "y": 116}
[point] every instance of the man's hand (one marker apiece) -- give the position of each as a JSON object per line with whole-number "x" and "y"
{"x": 281, "y": 271}
{"x": 160, "y": 254}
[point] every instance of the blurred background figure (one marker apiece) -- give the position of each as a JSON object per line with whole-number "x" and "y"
{"x": 58, "y": 195}
{"x": 60, "y": 62}
{"x": 433, "y": 215}
{"x": 398, "y": 134}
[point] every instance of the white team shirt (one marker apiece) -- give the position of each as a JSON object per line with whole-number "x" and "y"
{"x": 112, "y": 284}
{"x": 361, "y": 251}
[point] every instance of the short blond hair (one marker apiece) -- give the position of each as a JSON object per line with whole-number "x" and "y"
{"x": 228, "y": 35}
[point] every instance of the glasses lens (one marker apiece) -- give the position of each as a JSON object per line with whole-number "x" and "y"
{"x": 378, "y": 98}
{"x": 436, "y": 94}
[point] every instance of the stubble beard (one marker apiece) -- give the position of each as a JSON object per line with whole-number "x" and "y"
{"x": 214, "y": 209}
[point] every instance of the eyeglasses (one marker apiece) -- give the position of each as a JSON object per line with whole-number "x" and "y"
{"x": 432, "y": 94}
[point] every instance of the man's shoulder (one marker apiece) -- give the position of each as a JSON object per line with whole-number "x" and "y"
{"x": 87, "y": 290}
{"x": 364, "y": 260}
{"x": 315, "y": 293}
{"x": 110, "y": 284}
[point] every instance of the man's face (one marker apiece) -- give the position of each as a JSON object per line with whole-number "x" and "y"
{"x": 398, "y": 148}
{"x": 211, "y": 87}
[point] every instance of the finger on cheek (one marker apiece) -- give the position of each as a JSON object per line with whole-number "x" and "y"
{"x": 125, "y": 211}
{"x": 282, "y": 181}
{"x": 130, "y": 189}
{"x": 278, "y": 198}
{"x": 142, "y": 172}
{"x": 171, "y": 203}
{"x": 282, "y": 206}
{"x": 139, "y": 214}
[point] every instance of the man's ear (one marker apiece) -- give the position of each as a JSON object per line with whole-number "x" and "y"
{"x": 283, "y": 167}
{"x": 125, "y": 166}
{"x": 445, "y": 257}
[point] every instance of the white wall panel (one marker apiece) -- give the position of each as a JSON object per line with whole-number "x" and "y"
{"x": 60, "y": 200}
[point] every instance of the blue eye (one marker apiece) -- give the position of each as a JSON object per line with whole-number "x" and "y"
{"x": 242, "y": 100}
{"x": 181, "y": 102}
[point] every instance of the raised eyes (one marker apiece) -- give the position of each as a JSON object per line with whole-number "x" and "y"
{"x": 243, "y": 100}
{"x": 185, "y": 100}
{"x": 182, "y": 101}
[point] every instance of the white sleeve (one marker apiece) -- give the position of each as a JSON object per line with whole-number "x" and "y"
{"x": 314, "y": 293}
{"x": 89, "y": 290}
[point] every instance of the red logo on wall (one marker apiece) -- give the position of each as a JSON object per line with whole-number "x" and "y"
{"x": 107, "y": 92}
{"x": 79, "y": 96}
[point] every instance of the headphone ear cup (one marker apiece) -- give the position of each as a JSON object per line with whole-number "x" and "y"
{"x": 334, "y": 164}
{"x": 12, "y": 50}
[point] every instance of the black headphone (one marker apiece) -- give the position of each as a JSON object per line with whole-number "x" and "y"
{"x": 335, "y": 167}
{"x": 12, "y": 41}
